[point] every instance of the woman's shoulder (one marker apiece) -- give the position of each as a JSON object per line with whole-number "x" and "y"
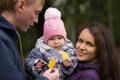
{"x": 85, "y": 74}
{"x": 90, "y": 71}
{"x": 90, "y": 75}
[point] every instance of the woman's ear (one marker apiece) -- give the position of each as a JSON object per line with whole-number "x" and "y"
{"x": 20, "y": 5}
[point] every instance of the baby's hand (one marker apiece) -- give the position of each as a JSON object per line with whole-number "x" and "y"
{"x": 67, "y": 62}
{"x": 39, "y": 66}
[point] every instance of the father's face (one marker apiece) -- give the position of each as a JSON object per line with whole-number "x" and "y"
{"x": 27, "y": 15}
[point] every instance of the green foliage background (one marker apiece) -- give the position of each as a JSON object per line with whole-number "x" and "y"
{"x": 75, "y": 13}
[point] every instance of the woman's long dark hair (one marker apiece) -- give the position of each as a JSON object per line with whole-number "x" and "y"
{"x": 109, "y": 63}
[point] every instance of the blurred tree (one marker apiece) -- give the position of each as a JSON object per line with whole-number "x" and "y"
{"x": 75, "y": 13}
{"x": 116, "y": 22}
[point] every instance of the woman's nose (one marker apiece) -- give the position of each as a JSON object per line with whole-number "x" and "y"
{"x": 82, "y": 46}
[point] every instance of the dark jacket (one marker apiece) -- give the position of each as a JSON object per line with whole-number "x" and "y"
{"x": 85, "y": 72}
{"x": 10, "y": 66}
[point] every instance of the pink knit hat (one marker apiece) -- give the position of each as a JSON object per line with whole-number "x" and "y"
{"x": 53, "y": 24}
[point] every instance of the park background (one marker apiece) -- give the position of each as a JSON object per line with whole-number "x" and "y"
{"x": 74, "y": 14}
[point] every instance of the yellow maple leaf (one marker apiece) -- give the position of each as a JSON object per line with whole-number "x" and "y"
{"x": 51, "y": 63}
{"x": 64, "y": 54}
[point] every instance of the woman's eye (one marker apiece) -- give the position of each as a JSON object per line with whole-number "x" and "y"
{"x": 89, "y": 44}
{"x": 80, "y": 41}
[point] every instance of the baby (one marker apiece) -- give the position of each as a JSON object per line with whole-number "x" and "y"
{"x": 53, "y": 45}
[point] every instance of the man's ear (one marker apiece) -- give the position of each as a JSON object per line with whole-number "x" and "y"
{"x": 20, "y": 5}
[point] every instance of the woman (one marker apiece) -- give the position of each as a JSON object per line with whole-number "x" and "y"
{"x": 95, "y": 54}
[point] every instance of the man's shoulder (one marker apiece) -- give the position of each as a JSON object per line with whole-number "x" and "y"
{"x": 3, "y": 35}
{"x": 42, "y": 78}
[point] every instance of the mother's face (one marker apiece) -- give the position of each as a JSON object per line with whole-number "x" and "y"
{"x": 86, "y": 48}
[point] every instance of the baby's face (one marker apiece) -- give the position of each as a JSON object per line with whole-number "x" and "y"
{"x": 56, "y": 42}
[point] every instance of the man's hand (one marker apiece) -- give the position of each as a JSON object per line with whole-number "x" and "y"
{"x": 52, "y": 74}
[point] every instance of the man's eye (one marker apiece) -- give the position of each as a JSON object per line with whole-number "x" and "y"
{"x": 36, "y": 13}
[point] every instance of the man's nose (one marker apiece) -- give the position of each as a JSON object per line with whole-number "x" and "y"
{"x": 36, "y": 19}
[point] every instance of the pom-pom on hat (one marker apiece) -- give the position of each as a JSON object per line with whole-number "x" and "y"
{"x": 53, "y": 24}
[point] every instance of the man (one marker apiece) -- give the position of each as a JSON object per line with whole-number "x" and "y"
{"x": 17, "y": 16}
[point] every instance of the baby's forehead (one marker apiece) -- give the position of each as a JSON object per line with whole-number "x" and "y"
{"x": 56, "y": 36}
